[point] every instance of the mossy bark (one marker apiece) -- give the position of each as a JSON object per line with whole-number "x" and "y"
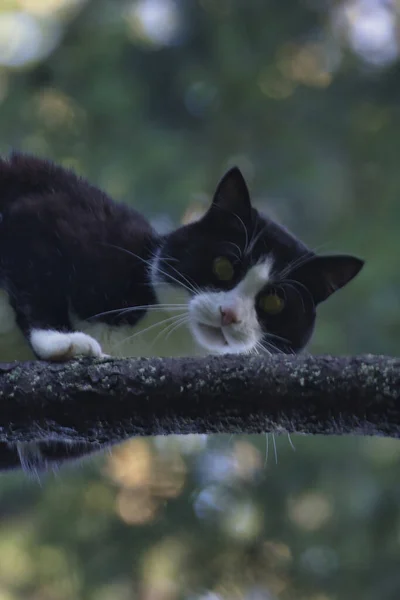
{"x": 107, "y": 401}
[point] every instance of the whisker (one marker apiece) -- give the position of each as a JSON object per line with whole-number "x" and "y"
{"x": 246, "y": 243}
{"x": 195, "y": 288}
{"x": 150, "y": 264}
{"x": 177, "y": 326}
{"x": 291, "y": 443}
{"x": 130, "y": 337}
{"x": 266, "y": 449}
{"x": 278, "y": 338}
{"x": 263, "y": 348}
{"x": 292, "y": 284}
{"x": 255, "y": 238}
{"x": 295, "y": 264}
{"x": 299, "y": 261}
{"x": 180, "y": 320}
{"x": 275, "y": 451}
{"x": 150, "y": 307}
{"x": 239, "y": 250}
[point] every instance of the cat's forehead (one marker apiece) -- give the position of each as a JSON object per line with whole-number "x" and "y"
{"x": 258, "y": 240}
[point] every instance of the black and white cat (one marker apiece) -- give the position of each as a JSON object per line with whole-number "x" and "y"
{"x": 82, "y": 275}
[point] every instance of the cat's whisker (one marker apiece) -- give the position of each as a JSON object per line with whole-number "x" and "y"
{"x": 179, "y": 321}
{"x": 303, "y": 259}
{"x": 266, "y": 449}
{"x": 292, "y": 284}
{"x": 150, "y": 307}
{"x": 278, "y": 338}
{"x": 142, "y": 331}
{"x": 300, "y": 261}
{"x": 294, "y": 264}
{"x": 246, "y": 242}
{"x": 177, "y": 326}
{"x": 153, "y": 264}
{"x": 254, "y": 239}
{"x": 166, "y": 258}
{"x": 195, "y": 288}
{"x": 263, "y": 348}
{"x": 239, "y": 250}
{"x": 291, "y": 443}
{"x": 275, "y": 450}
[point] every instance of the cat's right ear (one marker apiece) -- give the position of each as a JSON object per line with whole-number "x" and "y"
{"x": 232, "y": 195}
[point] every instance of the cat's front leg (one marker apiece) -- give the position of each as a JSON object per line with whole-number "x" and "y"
{"x": 46, "y": 326}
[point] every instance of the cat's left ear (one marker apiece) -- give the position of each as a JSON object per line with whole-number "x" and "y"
{"x": 232, "y": 195}
{"x": 324, "y": 275}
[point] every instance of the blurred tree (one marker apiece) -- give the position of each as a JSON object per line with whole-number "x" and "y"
{"x": 152, "y": 100}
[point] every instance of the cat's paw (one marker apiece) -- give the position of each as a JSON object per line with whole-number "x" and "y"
{"x": 57, "y": 346}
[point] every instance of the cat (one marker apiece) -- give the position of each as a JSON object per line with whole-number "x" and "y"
{"x": 82, "y": 275}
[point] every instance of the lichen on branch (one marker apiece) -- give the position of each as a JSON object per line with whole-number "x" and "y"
{"x": 90, "y": 403}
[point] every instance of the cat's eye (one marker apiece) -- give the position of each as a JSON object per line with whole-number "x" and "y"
{"x": 271, "y": 304}
{"x": 223, "y": 268}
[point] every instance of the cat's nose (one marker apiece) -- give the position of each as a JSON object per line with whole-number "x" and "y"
{"x": 228, "y": 316}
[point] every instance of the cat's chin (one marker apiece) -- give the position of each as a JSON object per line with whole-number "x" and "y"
{"x": 211, "y": 337}
{"x": 214, "y": 340}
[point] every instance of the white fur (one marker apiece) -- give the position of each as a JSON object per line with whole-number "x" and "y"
{"x": 56, "y": 345}
{"x": 205, "y": 310}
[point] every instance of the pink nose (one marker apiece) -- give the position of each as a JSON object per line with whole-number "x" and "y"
{"x": 228, "y": 316}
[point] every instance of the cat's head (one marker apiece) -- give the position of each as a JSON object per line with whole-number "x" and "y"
{"x": 247, "y": 282}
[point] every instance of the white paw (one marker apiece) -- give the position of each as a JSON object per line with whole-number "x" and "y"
{"x": 57, "y": 346}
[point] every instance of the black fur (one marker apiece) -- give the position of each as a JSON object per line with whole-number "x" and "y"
{"x": 64, "y": 241}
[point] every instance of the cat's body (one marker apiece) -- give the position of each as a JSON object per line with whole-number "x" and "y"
{"x": 83, "y": 275}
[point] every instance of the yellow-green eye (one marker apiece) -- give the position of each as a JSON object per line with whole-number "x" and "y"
{"x": 223, "y": 268}
{"x": 271, "y": 304}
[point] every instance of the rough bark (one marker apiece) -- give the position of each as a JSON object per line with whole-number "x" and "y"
{"x": 107, "y": 401}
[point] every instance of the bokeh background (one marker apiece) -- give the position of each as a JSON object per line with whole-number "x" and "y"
{"x": 153, "y": 100}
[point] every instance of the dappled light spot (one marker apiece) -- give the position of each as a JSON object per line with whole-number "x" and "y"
{"x": 153, "y": 22}
{"x": 310, "y": 511}
{"x": 275, "y": 86}
{"x": 145, "y": 479}
{"x": 45, "y": 8}
{"x": 16, "y": 564}
{"x": 212, "y": 501}
{"x": 194, "y": 212}
{"x": 243, "y": 520}
{"x": 248, "y": 460}
{"x": 136, "y": 507}
{"x": 163, "y": 569}
{"x": 131, "y": 464}
{"x": 370, "y": 28}
{"x": 24, "y": 40}
{"x": 55, "y": 109}
{"x": 307, "y": 64}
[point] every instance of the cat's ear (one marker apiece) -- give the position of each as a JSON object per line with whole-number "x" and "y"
{"x": 324, "y": 275}
{"x": 232, "y": 195}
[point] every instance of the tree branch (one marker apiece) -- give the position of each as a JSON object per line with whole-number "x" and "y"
{"x": 91, "y": 404}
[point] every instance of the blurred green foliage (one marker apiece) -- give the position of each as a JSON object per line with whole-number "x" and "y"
{"x": 153, "y": 100}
